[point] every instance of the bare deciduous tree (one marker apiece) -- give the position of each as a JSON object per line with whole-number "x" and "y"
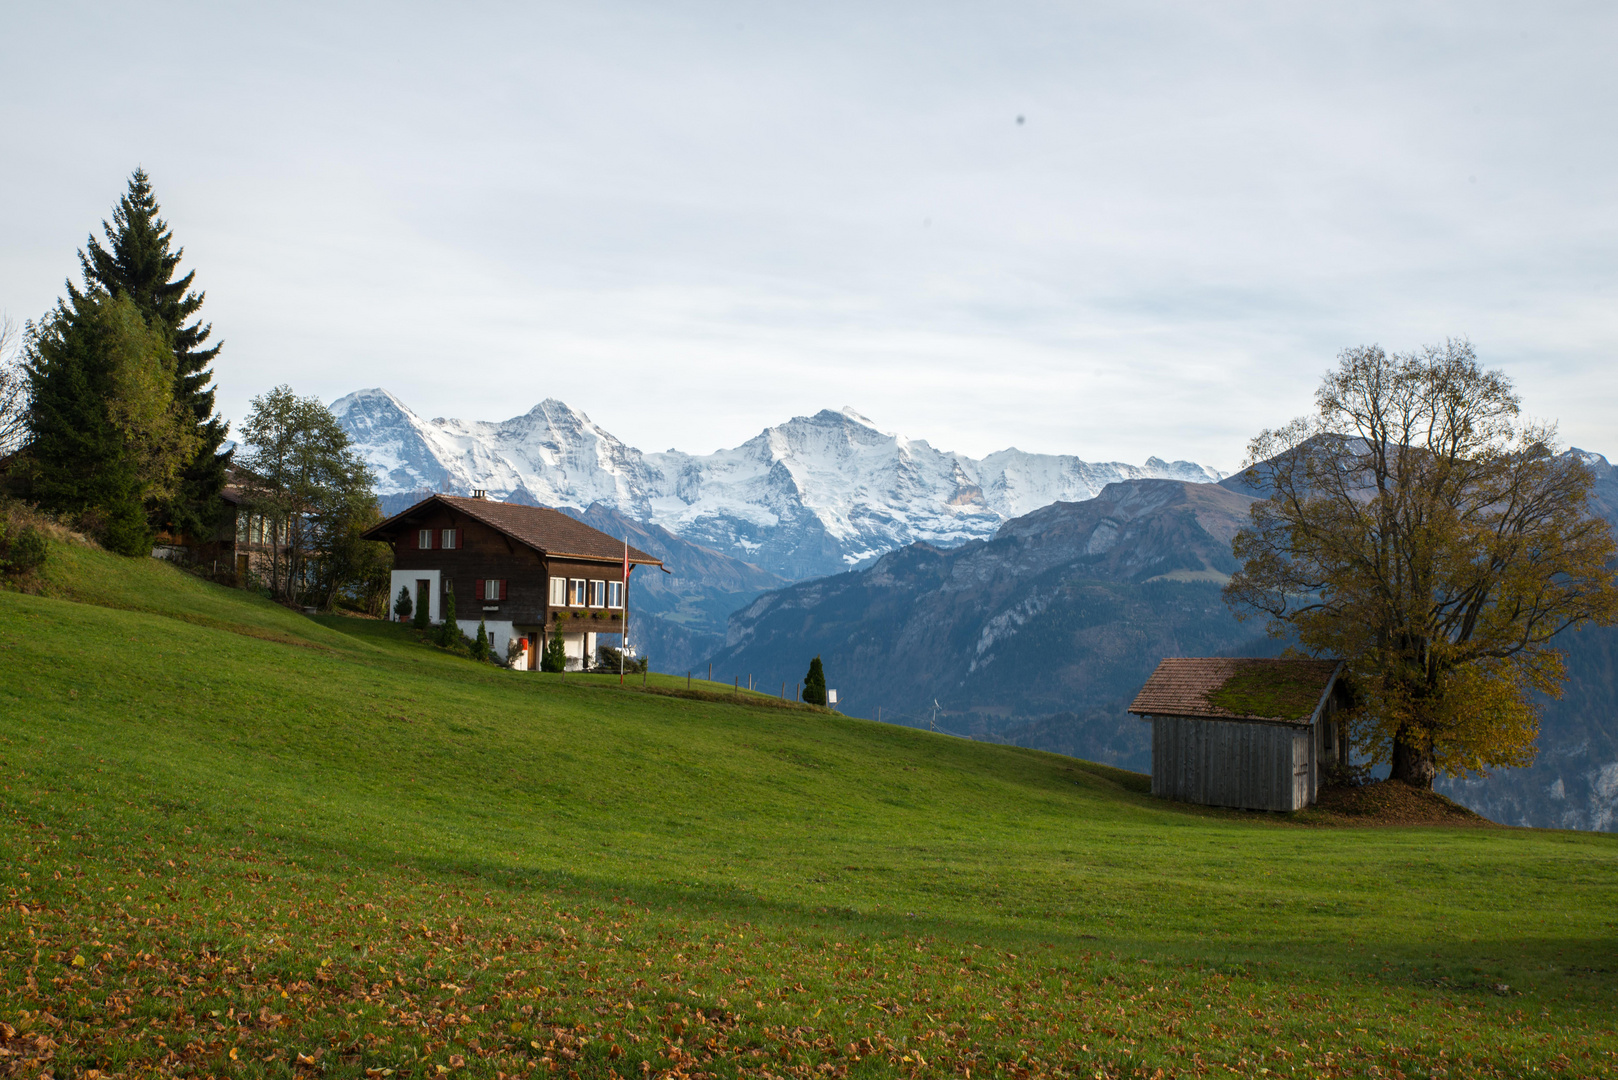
{"x": 14, "y": 388}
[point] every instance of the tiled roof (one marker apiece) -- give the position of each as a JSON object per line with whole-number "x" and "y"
{"x": 549, "y": 531}
{"x": 1180, "y": 687}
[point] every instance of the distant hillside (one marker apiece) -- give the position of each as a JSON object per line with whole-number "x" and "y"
{"x": 1066, "y": 610}
{"x": 678, "y": 619}
{"x": 1041, "y": 636}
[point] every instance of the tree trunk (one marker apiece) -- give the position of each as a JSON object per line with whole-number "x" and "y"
{"x": 1413, "y": 759}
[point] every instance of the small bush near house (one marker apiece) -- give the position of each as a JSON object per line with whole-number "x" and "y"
{"x": 402, "y": 606}
{"x": 607, "y": 659}
{"x": 480, "y": 647}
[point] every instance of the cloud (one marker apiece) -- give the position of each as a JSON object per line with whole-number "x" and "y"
{"x": 694, "y": 220}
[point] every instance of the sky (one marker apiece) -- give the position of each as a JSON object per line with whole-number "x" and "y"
{"x": 1111, "y": 230}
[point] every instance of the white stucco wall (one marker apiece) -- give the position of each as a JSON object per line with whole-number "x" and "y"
{"x": 407, "y": 579}
{"x": 499, "y": 633}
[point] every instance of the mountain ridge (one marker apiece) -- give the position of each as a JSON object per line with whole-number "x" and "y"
{"x": 812, "y": 496}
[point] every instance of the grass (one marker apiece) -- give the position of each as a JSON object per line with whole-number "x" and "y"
{"x": 242, "y": 841}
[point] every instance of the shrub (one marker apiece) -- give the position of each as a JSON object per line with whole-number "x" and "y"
{"x": 22, "y": 550}
{"x": 480, "y": 647}
{"x": 402, "y": 606}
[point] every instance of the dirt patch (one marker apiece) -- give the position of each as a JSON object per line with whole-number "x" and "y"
{"x": 1389, "y": 802}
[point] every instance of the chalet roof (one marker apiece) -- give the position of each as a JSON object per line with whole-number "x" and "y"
{"x": 548, "y": 531}
{"x": 1238, "y": 688}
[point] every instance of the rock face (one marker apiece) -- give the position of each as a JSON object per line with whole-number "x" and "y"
{"x": 813, "y": 496}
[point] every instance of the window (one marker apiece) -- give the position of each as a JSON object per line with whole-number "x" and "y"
{"x": 615, "y": 594}
{"x": 494, "y": 589}
{"x": 424, "y": 539}
{"x": 598, "y": 594}
{"x": 452, "y": 538}
{"x": 558, "y": 592}
{"x": 575, "y": 592}
{"x": 449, "y": 586}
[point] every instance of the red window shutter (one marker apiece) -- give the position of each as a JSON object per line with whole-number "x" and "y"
{"x": 502, "y": 588}
{"x": 477, "y": 587}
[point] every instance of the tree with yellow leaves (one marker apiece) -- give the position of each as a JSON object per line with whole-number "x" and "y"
{"x": 1418, "y": 528}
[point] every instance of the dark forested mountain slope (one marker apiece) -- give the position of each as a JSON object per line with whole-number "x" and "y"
{"x": 1063, "y": 609}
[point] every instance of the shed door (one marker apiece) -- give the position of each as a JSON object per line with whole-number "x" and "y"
{"x": 1302, "y": 744}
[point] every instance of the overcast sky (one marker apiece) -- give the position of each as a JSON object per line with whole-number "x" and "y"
{"x": 1114, "y": 230}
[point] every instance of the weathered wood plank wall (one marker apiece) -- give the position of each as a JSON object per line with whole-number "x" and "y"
{"x": 1253, "y": 766}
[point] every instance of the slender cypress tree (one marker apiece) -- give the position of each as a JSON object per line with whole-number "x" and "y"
{"x": 138, "y": 263}
{"x": 814, "y": 683}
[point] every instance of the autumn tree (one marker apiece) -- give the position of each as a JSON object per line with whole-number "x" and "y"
{"x": 1419, "y": 528}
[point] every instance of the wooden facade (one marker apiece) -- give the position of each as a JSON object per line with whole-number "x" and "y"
{"x": 1203, "y": 752}
{"x": 525, "y": 571}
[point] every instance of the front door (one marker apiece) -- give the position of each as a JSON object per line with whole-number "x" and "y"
{"x": 1303, "y": 743}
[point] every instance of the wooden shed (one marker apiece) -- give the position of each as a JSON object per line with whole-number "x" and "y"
{"x": 1248, "y": 733}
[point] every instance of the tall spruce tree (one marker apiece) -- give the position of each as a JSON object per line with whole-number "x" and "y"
{"x": 108, "y": 440}
{"x": 138, "y": 263}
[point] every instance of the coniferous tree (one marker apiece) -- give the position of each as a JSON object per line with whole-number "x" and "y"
{"x": 480, "y": 647}
{"x": 449, "y": 630}
{"x": 814, "y": 683}
{"x": 420, "y": 622}
{"x": 138, "y": 263}
{"x": 402, "y": 606}
{"x": 555, "y": 656}
{"x": 107, "y": 439}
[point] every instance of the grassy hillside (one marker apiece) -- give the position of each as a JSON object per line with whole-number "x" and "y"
{"x": 238, "y": 840}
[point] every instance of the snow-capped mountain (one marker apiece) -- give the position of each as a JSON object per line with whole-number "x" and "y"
{"x": 812, "y": 496}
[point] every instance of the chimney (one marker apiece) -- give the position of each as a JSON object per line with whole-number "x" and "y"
{"x": 480, "y": 493}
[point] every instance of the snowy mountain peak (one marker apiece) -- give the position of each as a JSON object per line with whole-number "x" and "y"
{"x": 807, "y": 497}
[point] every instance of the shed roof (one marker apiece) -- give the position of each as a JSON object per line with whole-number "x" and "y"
{"x": 547, "y": 531}
{"x": 1237, "y": 688}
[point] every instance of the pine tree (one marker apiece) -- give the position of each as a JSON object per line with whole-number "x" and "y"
{"x": 138, "y": 263}
{"x": 555, "y": 657}
{"x": 480, "y": 647}
{"x": 402, "y": 606}
{"x": 814, "y": 683}
{"x": 108, "y": 440}
{"x": 420, "y": 622}
{"x": 449, "y": 630}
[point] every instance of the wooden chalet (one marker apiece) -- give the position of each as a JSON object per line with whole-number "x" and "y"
{"x": 1247, "y": 733}
{"x": 523, "y": 571}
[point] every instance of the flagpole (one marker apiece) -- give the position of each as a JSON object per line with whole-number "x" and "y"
{"x": 623, "y": 639}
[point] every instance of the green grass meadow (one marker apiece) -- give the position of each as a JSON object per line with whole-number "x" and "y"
{"x": 241, "y": 841}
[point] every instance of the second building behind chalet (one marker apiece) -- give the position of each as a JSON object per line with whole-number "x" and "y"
{"x": 524, "y": 571}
